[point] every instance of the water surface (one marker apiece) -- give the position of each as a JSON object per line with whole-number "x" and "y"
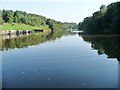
{"x": 61, "y": 61}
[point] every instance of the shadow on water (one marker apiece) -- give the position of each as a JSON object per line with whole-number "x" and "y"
{"x": 104, "y": 44}
{"x": 28, "y": 40}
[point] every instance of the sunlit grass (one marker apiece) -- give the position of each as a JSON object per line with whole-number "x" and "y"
{"x": 14, "y": 26}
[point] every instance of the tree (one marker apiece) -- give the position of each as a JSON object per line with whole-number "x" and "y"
{"x": 4, "y": 15}
{"x": 30, "y": 19}
{"x": 1, "y": 19}
{"x": 10, "y": 15}
{"x": 106, "y": 20}
{"x": 80, "y": 25}
{"x": 70, "y": 25}
{"x": 16, "y": 19}
{"x": 103, "y": 9}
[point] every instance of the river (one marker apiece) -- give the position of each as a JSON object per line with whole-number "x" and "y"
{"x": 61, "y": 61}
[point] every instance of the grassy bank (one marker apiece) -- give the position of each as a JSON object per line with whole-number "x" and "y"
{"x": 14, "y": 26}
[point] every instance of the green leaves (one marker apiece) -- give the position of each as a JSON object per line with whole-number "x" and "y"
{"x": 70, "y": 25}
{"x": 30, "y": 19}
{"x": 106, "y": 20}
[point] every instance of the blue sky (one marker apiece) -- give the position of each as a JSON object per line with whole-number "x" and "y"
{"x": 61, "y": 10}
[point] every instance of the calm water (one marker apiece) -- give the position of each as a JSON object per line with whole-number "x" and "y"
{"x": 61, "y": 61}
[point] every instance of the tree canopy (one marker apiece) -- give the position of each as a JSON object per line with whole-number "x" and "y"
{"x": 70, "y": 25}
{"x": 104, "y": 21}
{"x": 9, "y": 16}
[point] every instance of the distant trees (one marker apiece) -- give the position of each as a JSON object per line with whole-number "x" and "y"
{"x": 22, "y": 17}
{"x": 106, "y": 20}
{"x": 54, "y": 25}
{"x": 79, "y": 25}
{"x": 70, "y": 25}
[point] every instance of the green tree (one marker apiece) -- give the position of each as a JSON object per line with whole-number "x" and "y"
{"x": 4, "y": 15}
{"x": 104, "y": 21}
{"x": 10, "y": 16}
{"x": 30, "y": 19}
{"x": 1, "y": 19}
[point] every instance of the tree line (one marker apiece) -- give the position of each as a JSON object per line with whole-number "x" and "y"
{"x": 104, "y": 21}
{"x": 70, "y": 25}
{"x": 22, "y": 17}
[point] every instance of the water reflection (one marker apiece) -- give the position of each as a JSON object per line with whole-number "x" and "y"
{"x": 108, "y": 45}
{"x": 66, "y": 63}
{"x": 11, "y": 42}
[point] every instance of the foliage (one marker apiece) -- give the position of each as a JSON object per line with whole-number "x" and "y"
{"x": 70, "y": 25}
{"x": 22, "y": 17}
{"x": 53, "y": 25}
{"x": 1, "y": 20}
{"x": 79, "y": 25}
{"x": 104, "y": 21}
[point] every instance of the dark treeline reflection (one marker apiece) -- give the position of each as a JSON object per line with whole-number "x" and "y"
{"x": 29, "y": 40}
{"x": 109, "y": 45}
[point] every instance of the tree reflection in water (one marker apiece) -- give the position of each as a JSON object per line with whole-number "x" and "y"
{"x": 29, "y": 40}
{"x": 105, "y": 44}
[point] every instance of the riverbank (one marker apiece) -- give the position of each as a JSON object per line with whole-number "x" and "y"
{"x": 14, "y": 26}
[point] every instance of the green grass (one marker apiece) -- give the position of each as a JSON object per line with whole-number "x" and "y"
{"x": 14, "y": 26}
